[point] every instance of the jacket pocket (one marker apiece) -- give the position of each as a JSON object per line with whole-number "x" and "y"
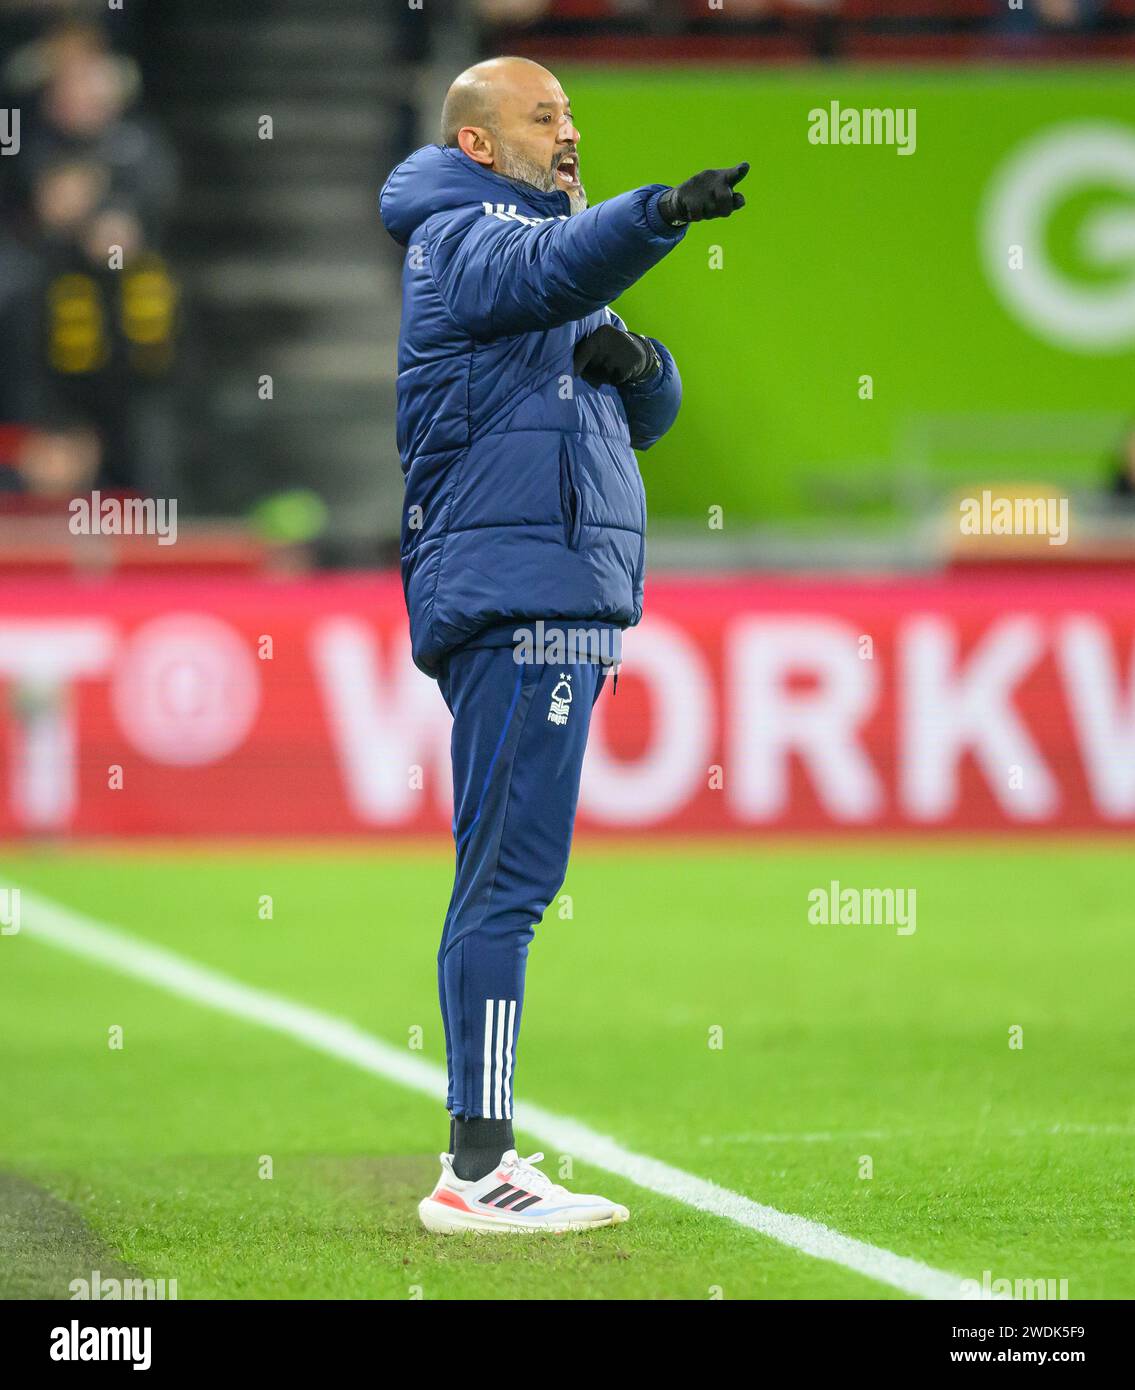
{"x": 571, "y": 499}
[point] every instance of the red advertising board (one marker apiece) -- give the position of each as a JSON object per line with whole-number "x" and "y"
{"x": 254, "y": 707}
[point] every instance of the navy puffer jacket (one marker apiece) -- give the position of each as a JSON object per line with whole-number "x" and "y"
{"x": 523, "y": 495}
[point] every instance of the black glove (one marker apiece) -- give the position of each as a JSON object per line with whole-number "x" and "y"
{"x": 708, "y": 194}
{"x": 610, "y": 357}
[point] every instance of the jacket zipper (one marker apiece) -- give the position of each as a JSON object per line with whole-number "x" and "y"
{"x": 571, "y": 500}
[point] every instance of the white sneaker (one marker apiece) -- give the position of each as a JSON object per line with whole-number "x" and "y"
{"x": 515, "y": 1196}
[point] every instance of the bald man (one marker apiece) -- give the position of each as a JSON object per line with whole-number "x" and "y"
{"x": 521, "y": 400}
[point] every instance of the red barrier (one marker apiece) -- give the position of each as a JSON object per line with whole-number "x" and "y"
{"x": 257, "y": 707}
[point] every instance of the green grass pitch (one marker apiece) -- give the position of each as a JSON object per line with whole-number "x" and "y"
{"x": 844, "y": 1050}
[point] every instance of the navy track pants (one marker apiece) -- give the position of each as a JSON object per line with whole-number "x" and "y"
{"x": 519, "y": 735}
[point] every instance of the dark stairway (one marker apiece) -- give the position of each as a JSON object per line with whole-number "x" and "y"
{"x": 288, "y": 270}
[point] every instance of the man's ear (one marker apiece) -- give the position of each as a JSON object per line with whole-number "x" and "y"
{"x": 477, "y": 143}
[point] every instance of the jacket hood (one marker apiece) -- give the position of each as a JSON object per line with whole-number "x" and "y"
{"x": 437, "y": 177}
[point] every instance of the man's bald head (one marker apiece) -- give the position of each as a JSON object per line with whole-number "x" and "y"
{"x": 475, "y": 97}
{"x": 512, "y": 116}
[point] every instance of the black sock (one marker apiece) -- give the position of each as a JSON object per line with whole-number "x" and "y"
{"x": 452, "y": 1134}
{"x": 478, "y": 1145}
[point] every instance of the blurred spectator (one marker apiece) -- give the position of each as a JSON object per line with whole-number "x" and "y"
{"x": 96, "y": 325}
{"x": 54, "y": 462}
{"x": 513, "y": 11}
{"x": 88, "y": 307}
{"x": 1065, "y": 14}
{"x": 83, "y": 90}
{"x": 1039, "y": 18}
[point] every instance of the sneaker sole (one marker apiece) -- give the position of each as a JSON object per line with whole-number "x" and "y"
{"x": 446, "y": 1221}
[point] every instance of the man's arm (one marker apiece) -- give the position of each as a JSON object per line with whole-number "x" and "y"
{"x": 498, "y": 276}
{"x": 502, "y": 277}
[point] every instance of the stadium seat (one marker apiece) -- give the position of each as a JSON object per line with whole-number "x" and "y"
{"x": 915, "y": 9}
{"x": 637, "y": 48}
{"x": 581, "y": 9}
{"x": 918, "y": 47}
{"x": 11, "y": 437}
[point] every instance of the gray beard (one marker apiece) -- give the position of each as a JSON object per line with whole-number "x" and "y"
{"x": 514, "y": 165}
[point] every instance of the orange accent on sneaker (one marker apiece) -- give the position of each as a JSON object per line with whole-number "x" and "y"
{"x": 449, "y": 1199}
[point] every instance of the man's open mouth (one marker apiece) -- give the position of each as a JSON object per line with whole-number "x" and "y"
{"x": 567, "y": 171}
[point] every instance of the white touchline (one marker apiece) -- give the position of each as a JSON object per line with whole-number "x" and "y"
{"x": 83, "y": 936}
